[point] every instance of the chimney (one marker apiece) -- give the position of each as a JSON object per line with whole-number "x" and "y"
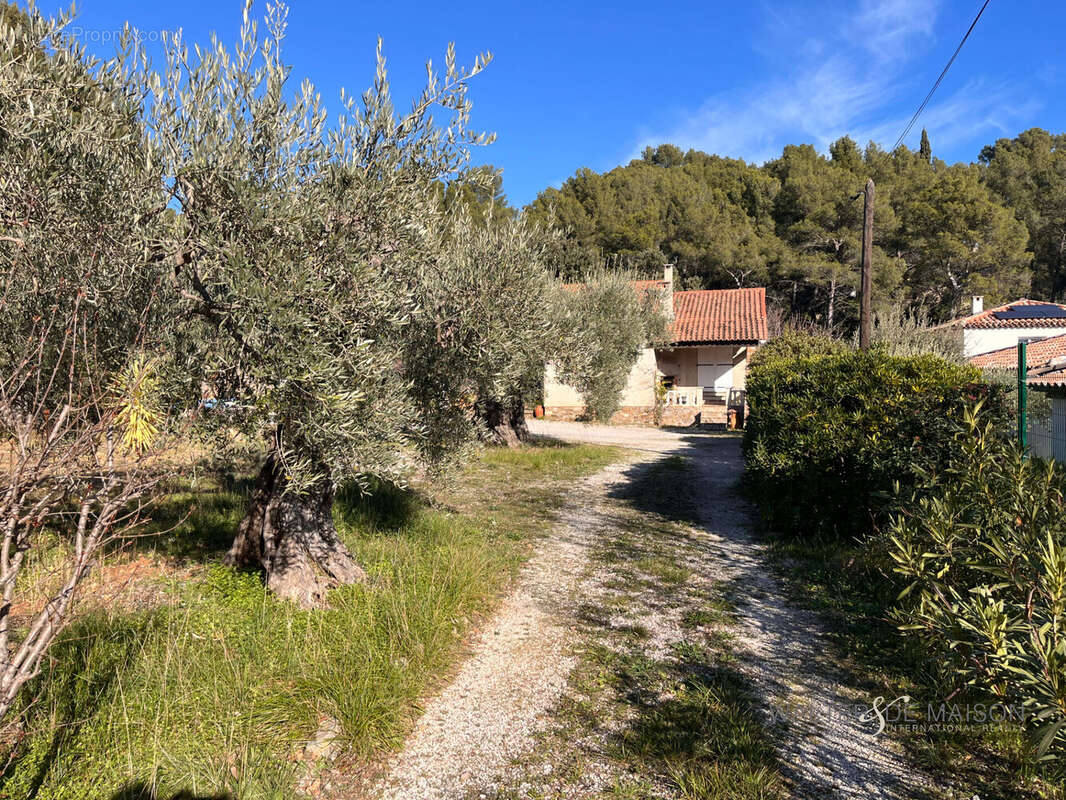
{"x": 668, "y": 279}
{"x": 977, "y": 304}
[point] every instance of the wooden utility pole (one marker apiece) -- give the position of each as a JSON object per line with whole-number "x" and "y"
{"x": 867, "y": 266}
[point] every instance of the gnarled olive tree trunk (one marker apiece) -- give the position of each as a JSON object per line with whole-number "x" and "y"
{"x": 292, "y": 538}
{"x": 504, "y": 421}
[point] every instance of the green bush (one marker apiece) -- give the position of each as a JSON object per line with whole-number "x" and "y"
{"x": 792, "y": 345}
{"x": 984, "y": 549}
{"x": 832, "y": 430}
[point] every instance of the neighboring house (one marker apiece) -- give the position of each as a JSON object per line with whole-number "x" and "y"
{"x": 1045, "y": 373}
{"x": 988, "y": 330}
{"x": 713, "y": 334}
{"x": 1039, "y": 354}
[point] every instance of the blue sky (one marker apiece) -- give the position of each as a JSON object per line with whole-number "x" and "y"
{"x": 590, "y": 84}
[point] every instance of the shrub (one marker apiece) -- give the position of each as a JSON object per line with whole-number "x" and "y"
{"x": 902, "y": 332}
{"x": 984, "y": 549}
{"x": 792, "y": 345}
{"x": 832, "y": 430}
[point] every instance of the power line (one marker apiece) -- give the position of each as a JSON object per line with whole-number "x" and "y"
{"x": 936, "y": 85}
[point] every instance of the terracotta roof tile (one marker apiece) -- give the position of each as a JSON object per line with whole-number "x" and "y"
{"x": 639, "y": 285}
{"x": 711, "y": 315}
{"x": 1037, "y": 353}
{"x": 1049, "y": 380}
{"x": 719, "y": 315}
{"x": 986, "y": 319}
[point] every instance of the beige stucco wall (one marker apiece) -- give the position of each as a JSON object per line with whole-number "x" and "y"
{"x": 683, "y": 362}
{"x": 740, "y": 366}
{"x": 640, "y": 386}
{"x": 559, "y": 394}
{"x": 639, "y": 391}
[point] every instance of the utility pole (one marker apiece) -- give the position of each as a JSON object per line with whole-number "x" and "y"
{"x": 867, "y": 265}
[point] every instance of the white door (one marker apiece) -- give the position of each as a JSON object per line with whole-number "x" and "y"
{"x": 716, "y": 377}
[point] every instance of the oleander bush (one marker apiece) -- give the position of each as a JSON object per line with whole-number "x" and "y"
{"x": 983, "y": 549}
{"x": 833, "y": 432}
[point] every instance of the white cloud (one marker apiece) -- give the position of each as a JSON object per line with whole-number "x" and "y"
{"x": 886, "y": 28}
{"x": 977, "y": 110}
{"x": 852, "y": 79}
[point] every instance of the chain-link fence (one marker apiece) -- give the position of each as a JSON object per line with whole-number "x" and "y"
{"x": 1045, "y": 429}
{"x": 1041, "y": 410}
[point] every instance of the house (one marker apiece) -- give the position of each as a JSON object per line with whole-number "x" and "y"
{"x": 1039, "y": 355}
{"x": 694, "y": 378}
{"x": 989, "y": 330}
{"x": 1046, "y": 376}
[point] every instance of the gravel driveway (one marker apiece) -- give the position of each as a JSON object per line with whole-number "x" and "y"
{"x": 505, "y": 692}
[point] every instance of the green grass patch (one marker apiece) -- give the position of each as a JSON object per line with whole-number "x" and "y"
{"x": 216, "y": 691}
{"x": 692, "y": 724}
{"x": 665, "y": 569}
{"x": 711, "y": 612}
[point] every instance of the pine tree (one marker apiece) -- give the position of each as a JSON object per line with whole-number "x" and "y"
{"x": 926, "y": 149}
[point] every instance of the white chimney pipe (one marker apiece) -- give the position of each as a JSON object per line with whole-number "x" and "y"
{"x": 668, "y": 274}
{"x": 977, "y": 304}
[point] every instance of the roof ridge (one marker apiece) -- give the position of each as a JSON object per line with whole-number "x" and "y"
{"x": 987, "y": 314}
{"x": 735, "y": 289}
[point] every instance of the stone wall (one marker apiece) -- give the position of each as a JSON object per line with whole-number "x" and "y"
{"x": 673, "y": 416}
{"x": 564, "y": 413}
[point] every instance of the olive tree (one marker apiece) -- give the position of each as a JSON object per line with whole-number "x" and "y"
{"x": 81, "y": 213}
{"x": 604, "y": 325}
{"x": 483, "y": 331}
{"x": 296, "y": 267}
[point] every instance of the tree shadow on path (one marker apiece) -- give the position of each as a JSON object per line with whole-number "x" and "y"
{"x": 142, "y": 791}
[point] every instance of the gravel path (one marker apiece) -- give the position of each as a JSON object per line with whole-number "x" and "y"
{"x": 827, "y": 749}
{"x": 503, "y": 696}
{"x": 518, "y": 668}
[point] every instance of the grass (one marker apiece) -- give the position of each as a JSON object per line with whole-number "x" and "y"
{"x": 692, "y": 723}
{"x": 212, "y": 688}
{"x": 845, "y": 584}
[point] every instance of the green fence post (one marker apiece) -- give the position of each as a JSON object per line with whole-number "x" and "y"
{"x": 1023, "y": 396}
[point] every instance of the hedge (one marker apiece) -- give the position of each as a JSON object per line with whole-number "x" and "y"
{"x": 832, "y": 432}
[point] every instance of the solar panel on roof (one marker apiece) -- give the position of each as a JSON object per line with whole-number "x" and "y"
{"x": 1036, "y": 311}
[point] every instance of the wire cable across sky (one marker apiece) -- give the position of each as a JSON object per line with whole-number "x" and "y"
{"x": 939, "y": 80}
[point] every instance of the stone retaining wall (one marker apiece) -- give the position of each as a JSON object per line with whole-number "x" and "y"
{"x": 673, "y": 416}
